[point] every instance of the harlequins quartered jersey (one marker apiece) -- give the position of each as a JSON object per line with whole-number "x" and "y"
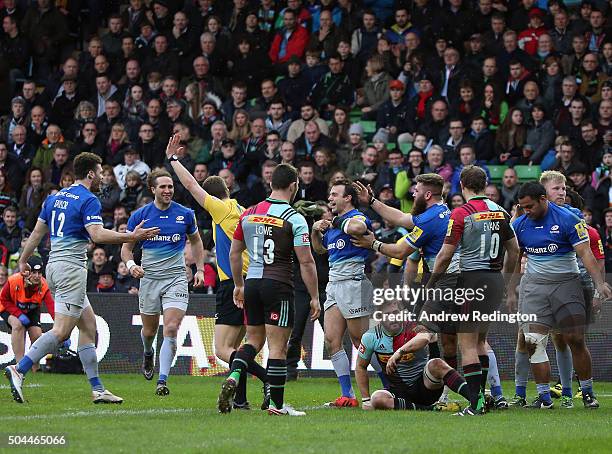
{"x": 480, "y": 227}
{"x": 270, "y": 230}
{"x": 67, "y": 214}
{"x": 377, "y": 341}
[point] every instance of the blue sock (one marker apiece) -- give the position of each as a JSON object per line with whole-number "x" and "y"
{"x": 96, "y": 384}
{"x": 567, "y": 392}
{"x": 586, "y": 386}
{"x": 346, "y": 385}
{"x": 521, "y": 391}
{"x": 544, "y": 391}
{"x": 566, "y": 367}
{"x": 24, "y": 365}
{"x": 162, "y": 378}
{"x": 496, "y": 391}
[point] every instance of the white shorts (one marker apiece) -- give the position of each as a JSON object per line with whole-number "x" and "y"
{"x": 352, "y": 296}
{"x": 157, "y": 295}
{"x": 68, "y": 285}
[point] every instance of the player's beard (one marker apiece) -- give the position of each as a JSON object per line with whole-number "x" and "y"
{"x": 419, "y": 206}
{"x": 95, "y": 185}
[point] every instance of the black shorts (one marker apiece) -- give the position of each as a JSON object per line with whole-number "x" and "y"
{"x": 417, "y": 392}
{"x": 33, "y": 315}
{"x": 483, "y": 292}
{"x": 226, "y": 312}
{"x": 270, "y": 302}
{"x": 440, "y": 306}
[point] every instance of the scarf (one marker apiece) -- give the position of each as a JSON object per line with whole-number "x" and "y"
{"x": 423, "y": 97}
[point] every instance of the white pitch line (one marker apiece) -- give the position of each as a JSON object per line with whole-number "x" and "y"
{"x": 31, "y": 385}
{"x": 79, "y": 414}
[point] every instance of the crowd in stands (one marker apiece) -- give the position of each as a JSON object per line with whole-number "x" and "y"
{"x": 373, "y": 90}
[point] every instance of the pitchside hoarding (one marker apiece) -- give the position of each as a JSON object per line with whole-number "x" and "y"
{"x": 119, "y": 347}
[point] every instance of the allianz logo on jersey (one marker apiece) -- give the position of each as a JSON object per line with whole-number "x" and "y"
{"x": 551, "y": 248}
{"x": 168, "y": 238}
{"x": 337, "y": 245}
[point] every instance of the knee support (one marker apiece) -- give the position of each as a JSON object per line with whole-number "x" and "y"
{"x": 427, "y": 373}
{"x": 540, "y": 341}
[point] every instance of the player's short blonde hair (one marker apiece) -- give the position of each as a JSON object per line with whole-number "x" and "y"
{"x": 551, "y": 176}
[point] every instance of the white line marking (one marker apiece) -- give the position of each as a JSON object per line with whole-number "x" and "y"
{"x": 30, "y": 385}
{"x": 80, "y": 414}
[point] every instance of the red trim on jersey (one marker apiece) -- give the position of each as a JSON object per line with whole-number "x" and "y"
{"x": 403, "y": 337}
{"x": 595, "y": 243}
{"x": 260, "y": 208}
{"x": 458, "y": 216}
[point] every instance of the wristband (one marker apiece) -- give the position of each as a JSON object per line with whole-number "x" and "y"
{"x": 376, "y": 245}
{"x": 130, "y": 264}
{"x": 345, "y": 225}
{"x": 372, "y": 200}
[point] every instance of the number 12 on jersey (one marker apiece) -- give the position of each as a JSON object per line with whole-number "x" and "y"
{"x": 61, "y": 218}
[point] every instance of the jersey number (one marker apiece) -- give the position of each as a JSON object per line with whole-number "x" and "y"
{"x": 493, "y": 248}
{"x": 61, "y": 217}
{"x": 268, "y": 253}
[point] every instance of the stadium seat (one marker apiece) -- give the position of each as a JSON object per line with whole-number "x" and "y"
{"x": 527, "y": 173}
{"x": 496, "y": 172}
{"x": 369, "y": 127}
{"x": 391, "y": 146}
{"x": 405, "y": 147}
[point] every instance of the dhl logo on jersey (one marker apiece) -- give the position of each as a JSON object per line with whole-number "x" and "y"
{"x": 406, "y": 357}
{"x": 489, "y": 216}
{"x": 268, "y": 220}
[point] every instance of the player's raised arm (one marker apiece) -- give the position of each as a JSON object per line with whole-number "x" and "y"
{"x": 99, "y": 234}
{"x": 39, "y": 232}
{"x": 308, "y": 270}
{"x": 186, "y": 178}
{"x": 389, "y": 214}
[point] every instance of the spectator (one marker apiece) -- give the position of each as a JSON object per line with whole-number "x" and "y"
{"x": 375, "y": 89}
{"x": 365, "y": 169}
{"x": 106, "y": 281}
{"x": 44, "y": 154}
{"x": 230, "y": 158}
{"x": 290, "y": 40}
{"x": 17, "y": 117}
{"x": 132, "y": 163}
{"x": 59, "y": 165}
{"x": 540, "y": 134}
{"x": 509, "y": 190}
{"x": 510, "y": 137}
{"x": 435, "y": 163}
{"x": 307, "y": 113}
{"x": 312, "y": 138}
{"x": 21, "y": 149}
{"x": 10, "y": 232}
{"x": 294, "y": 88}
{"x": 334, "y": 88}
{"x": 116, "y": 145}
{"x": 32, "y": 196}
{"x": 133, "y": 191}
{"x": 110, "y": 192}
{"x": 7, "y": 195}
{"x": 310, "y": 188}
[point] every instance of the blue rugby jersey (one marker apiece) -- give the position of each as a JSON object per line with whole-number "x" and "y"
{"x": 429, "y": 233}
{"x": 346, "y": 260}
{"x": 67, "y": 214}
{"x": 162, "y": 255}
{"x": 549, "y": 242}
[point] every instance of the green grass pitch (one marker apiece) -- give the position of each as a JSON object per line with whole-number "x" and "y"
{"x": 187, "y": 421}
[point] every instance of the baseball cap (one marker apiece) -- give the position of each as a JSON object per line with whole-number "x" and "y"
{"x": 228, "y": 141}
{"x": 36, "y": 263}
{"x": 397, "y": 84}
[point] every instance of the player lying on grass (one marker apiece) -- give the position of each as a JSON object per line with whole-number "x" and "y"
{"x": 415, "y": 381}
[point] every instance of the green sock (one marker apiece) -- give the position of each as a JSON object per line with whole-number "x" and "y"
{"x": 235, "y": 375}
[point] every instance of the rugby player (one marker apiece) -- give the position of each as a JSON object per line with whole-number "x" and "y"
{"x": 482, "y": 229}
{"x": 556, "y": 191}
{"x": 163, "y": 281}
{"x": 415, "y": 381}
{"x": 271, "y": 231}
{"x": 429, "y": 223}
{"x": 72, "y": 217}
{"x": 214, "y": 197}
{"x": 349, "y": 292}
{"x": 552, "y": 236}
{"x": 21, "y": 299}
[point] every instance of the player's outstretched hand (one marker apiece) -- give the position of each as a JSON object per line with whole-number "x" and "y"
{"x": 24, "y": 268}
{"x": 315, "y": 309}
{"x": 392, "y": 363}
{"x": 239, "y": 297}
{"x": 174, "y": 145}
{"x": 137, "y": 271}
{"x": 322, "y": 225}
{"x": 364, "y": 193}
{"x": 365, "y": 241}
{"x": 198, "y": 279}
{"x": 141, "y": 233}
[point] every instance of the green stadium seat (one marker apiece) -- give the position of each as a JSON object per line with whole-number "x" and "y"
{"x": 405, "y": 147}
{"x": 497, "y": 172}
{"x": 369, "y": 127}
{"x": 528, "y": 173}
{"x": 391, "y": 146}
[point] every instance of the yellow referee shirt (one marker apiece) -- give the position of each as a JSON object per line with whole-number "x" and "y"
{"x": 225, "y": 215}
